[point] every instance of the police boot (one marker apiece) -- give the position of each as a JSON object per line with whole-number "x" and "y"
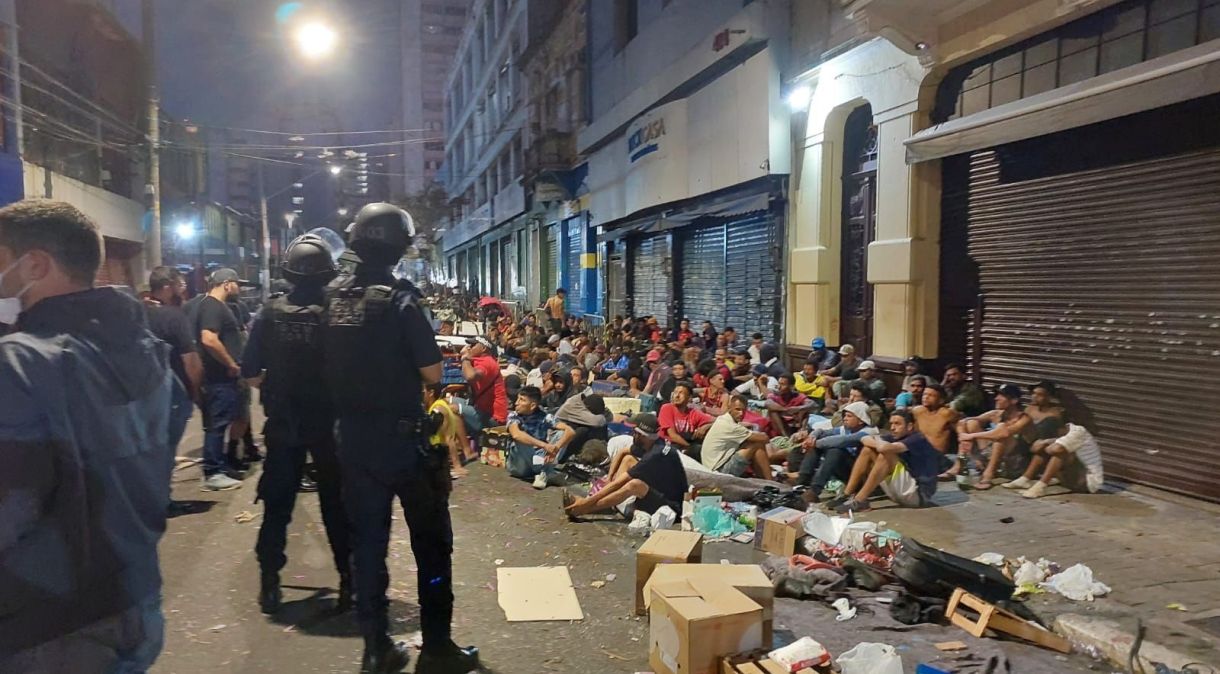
{"x": 383, "y": 656}
{"x": 448, "y": 659}
{"x": 269, "y": 595}
{"x": 347, "y": 593}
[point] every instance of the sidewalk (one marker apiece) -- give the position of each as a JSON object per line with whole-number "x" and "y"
{"x": 1152, "y": 548}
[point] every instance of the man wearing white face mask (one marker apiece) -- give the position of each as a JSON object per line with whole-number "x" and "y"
{"x": 84, "y": 444}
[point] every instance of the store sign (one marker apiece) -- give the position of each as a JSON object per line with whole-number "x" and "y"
{"x": 645, "y": 139}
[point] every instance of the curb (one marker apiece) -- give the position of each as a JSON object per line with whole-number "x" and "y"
{"x": 1108, "y": 639}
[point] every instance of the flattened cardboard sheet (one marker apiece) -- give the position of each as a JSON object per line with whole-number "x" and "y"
{"x": 538, "y": 593}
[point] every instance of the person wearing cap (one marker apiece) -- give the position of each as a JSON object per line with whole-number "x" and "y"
{"x": 541, "y": 374}
{"x": 902, "y": 463}
{"x": 1004, "y": 428}
{"x": 846, "y": 367}
{"x": 829, "y": 453}
{"x": 866, "y": 374}
{"x": 787, "y": 407}
{"x": 821, "y": 357}
{"x": 220, "y": 339}
{"x": 650, "y": 471}
{"x": 733, "y": 447}
{"x": 859, "y": 394}
{"x": 911, "y": 367}
{"x": 482, "y": 373}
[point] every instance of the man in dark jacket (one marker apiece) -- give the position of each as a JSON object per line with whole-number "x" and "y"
{"x": 84, "y": 436}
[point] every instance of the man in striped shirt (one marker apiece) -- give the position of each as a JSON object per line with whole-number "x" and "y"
{"x": 1073, "y": 453}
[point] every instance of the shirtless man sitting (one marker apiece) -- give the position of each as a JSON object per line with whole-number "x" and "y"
{"x": 935, "y": 419}
{"x": 1006, "y": 428}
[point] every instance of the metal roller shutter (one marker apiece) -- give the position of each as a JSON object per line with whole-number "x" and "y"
{"x": 573, "y": 272}
{"x": 703, "y": 289}
{"x": 651, "y": 285}
{"x": 550, "y": 259}
{"x": 1108, "y": 281}
{"x": 753, "y": 272}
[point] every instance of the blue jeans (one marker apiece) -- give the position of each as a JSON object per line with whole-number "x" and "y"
{"x": 125, "y": 643}
{"x": 221, "y": 407}
{"x": 180, "y": 411}
{"x": 520, "y": 462}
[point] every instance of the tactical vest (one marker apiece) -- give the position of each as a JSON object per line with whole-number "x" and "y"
{"x": 367, "y": 367}
{"x": 293, "y": 352}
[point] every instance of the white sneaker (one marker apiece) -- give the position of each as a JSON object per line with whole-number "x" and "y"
{"x": 1054, "y": 481}
{"x": 220, "y": 482}
{"x": 1036, "y": 491}
{"x": 540, "y": 480}
{"x": 1019, "y": 483}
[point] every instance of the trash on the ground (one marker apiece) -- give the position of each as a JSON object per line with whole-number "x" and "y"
{"x": 663, "y": 518}
{"x": 748, "y": 579}
{"x": 800, "y": 654}
{"x": 715, "y": 523}
{"x": 910, "y": 609}
{"x": 530, "y": 594}
{"x": 705, "y": 497}
{"x": 754, "y": 662}
{"x": 640, "y": 522}
{"x": 744, "y": 537}
{"x": 826, "y": 528}
{"x": 845, "y": 609}
{"x": 792, "y": 578}
{"x": 598, "y": 584}
{"x": 777, "y": 531}
{"x": 991, "y": 559}
{"x": 922, "y": 668}
{"x": 499, "y": 562}
{"x": 1175, "y": 606}
{"x": 1077, "y": 584}
{"x": 610, "y": 577}
{"x": 870, "y": 658}
{"x": 693, "y": 623}
{"x": 964, "y": 607}
{"x": 1031, "y": 573}
{"x": 930, "y": 572}
{"x": 1007, "y": 520}
{"x": 950, "y": 646}
{"x": 663, "y": 547}
{"x": 244, "y": 517}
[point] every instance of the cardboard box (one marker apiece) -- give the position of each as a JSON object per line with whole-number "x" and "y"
{"x": 778, "y": 530}
{"x": 694, "y": 623}
{"x": 664, "y": 547}
{"x": 748, "y": 579}
{"x": 495, "y": 458}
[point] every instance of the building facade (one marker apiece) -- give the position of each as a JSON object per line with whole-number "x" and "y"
{"x": 689, "y": 152}
{"x": 431, "y": 31}
{"x": 1028, "y": 187}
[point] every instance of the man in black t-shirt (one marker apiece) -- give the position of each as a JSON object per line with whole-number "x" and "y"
{"x": 221, "y": 343}
{"x": 167, "y": 321}
{"x": 903, "y": 464}
{"x": 657, "y": 479}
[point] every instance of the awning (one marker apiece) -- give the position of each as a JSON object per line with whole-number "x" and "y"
{"x": 727, "y": 203}
{"x": 1180, "y": 76}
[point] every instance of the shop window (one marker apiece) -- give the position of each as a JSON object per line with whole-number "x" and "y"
{"x": 1172, "y": 35}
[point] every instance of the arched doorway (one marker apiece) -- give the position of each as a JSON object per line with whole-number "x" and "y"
{"x": 859, "y": 229}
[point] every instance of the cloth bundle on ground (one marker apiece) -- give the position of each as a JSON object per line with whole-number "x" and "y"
{"x": 800, "y": 583}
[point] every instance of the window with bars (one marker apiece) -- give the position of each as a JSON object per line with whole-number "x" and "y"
{"x": 1117, "y": 37}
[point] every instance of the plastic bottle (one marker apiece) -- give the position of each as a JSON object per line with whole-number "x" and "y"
{"x": 967, "y": 474}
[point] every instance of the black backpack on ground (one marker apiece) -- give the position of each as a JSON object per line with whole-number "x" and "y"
{"x": 936, "y": 573}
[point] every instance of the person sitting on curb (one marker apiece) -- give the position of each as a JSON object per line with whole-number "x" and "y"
{"x": 903, "y": 464}
{"x": 859, "y": 394}
{"x": 866, "y": 374}
{"x": 1073, "y": 453}
{"x": 682, "y": 424}
{"x": 657, "y": 479}
{"x": 830, "y": 453}
{"x": 732, "y": 447}
{"x": 787, "y": 407}
{"x": 912, "y": 394}
{"x": 935, "y": 419}
{"x": 961, "y": 395}
{"x": 531, "y": 454}
{"x": 1004, "y": 428}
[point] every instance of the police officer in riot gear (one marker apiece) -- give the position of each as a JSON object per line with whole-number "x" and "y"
{"x": 287, "y": 343}
{"x": 380, "y": 351}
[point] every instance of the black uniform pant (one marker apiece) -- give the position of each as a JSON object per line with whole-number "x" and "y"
{"x": 424, "y": 497}
{"x": 280, "y": 481}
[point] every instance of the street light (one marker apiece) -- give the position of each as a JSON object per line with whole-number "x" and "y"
{"x": 335, "y": 169}
{"x": 342, "y": 212}
{"x": 185, "y": 231}
{"x": 315, "y": 40}
{"x": 798, "y": 98}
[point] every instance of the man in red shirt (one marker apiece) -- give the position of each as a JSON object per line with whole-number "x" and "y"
{"x": 482, "y": 373}
{"x": 683, "y": 425}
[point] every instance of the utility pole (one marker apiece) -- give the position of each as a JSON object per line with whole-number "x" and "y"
{"x": 8, "y": 8}
{"x": 152, "y": 243}
{"x": 264, "y": 271}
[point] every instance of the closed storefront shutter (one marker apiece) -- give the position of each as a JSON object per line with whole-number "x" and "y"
{"x": 650, "y": 278}
{"x": 753, "y": 274}
{"x": 550, "y": 259}
{"x": 1106, "y": 278}
{"x": 573, "y": 272}
{"x": 703, "y": 289}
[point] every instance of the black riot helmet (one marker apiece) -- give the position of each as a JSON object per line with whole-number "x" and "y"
{"x": 380, "y": 234}
{"x": 308, "y": 259}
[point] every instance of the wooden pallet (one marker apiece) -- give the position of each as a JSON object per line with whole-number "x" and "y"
{"x": 996, "y": 619}
{"x": 755, "y": 663}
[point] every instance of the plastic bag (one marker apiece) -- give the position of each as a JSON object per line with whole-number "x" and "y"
{"x": 1077, "y": 584}
{"x": 871, "y": 658}
{"x": 715, "y": 523}
{"x": 991, "y": 559}
{"x": 663, "y": 518}
{"x": 640, "y": 520}
{"x": 800, "y": 654}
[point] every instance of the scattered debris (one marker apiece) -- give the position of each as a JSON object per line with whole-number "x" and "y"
{"x": 599, "y": 584}
{"x": 951, "y": 646}
{"x": 991, "y": 559}
{"x": 800, "y": 654}
{"x": 996, "y": 619}
{"x": 1176, "y": 607}
{"x": 1077, "y": 584}
{"x": 845, "y": 609}
{"x": 244, "y": 516}
{"x": 870, "y": 658}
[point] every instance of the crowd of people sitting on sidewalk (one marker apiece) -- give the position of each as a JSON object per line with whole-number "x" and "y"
{"x": 645, "y": 401}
